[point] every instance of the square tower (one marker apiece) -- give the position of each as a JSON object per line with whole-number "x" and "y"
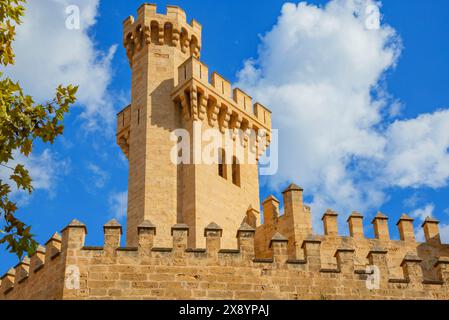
{"x": 174, "y": 104}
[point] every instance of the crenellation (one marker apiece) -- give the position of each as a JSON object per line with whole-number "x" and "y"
{"x": 270, "y": 210}
{"x": 37, "y": 259}
{"x": 176, "y": 13}
{"x": 278, "y": 246}
{"x": 312, "y": 253}
{"x": 263, "y": 114}
{"x": 112, "y": 236}
{"x": 180, "y": 233}
{"x": 380, "y": 223}
{"x": 442, "y": 267}
{"x": 146, "y": 232}
{"x": 213, "y": 233}
{"x": 245, "y": 240}
{"x": 431, "y": 230}
{"x": 22, "y": 270}
{"x": 199, "y": 98}
{"x": 412, "y": 270}
{"x": 53, "y": 247}
{"x": 7, "y": 281}
{"x": 221, "y": 85}
{"x": 162, "y": 268}
{"x": 73, "y": 235}
{"x": 330, "y": 223}
{"x": 345, "y": 260}
{"x": 405, "y": 226}
{"x": 172, "y": 29}
{"x": 355, "y": 222}
{"x": 239, "y": 255}
{"x": 243, "y": 100}
{"x": 252, "y": 217}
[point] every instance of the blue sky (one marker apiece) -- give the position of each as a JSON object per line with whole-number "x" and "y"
{"x": 84, "y": 175}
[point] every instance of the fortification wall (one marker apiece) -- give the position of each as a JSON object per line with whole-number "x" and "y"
{"x": 295, "y": 225}
{"x": 147, "y": 272}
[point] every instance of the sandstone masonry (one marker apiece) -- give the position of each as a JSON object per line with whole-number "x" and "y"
{"x": 194, "y": 230}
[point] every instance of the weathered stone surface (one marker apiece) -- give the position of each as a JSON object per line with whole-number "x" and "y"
{"x": 235, "y": 257}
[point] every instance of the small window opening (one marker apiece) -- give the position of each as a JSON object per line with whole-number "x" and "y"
{"x": 235, "y": 171}
{"x": 222, "y": 163}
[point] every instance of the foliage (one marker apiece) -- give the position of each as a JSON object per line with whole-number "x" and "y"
{"x": 22, "y": 121}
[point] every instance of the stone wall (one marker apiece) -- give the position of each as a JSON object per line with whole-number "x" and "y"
{"x": 148, "y": 272}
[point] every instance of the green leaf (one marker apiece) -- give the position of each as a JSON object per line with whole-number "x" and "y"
{"x": 22, "y": 121}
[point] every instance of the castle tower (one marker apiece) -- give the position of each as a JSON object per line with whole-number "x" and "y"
{"x": 173, "y": 100}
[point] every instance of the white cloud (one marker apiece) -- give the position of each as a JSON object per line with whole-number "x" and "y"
{"x": 412, "y": 201}
{"x": 444, "y": 233}
{"x": 422, "y": 213}
{"x": 322, "y": 72}
{"x": 45, "y": 169}
{"x": 418, "y": 151}
{"x": 118, "y": 203}
{"x": 49, "y": 54}
{"x": 316, "y": 69}
{"x": 99, "y": 176}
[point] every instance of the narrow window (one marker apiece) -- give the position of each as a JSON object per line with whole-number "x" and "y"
{"x": 154, "y": 32}
{"x": 222, "y": 163}
{"x": 138, "y": 116}
{"x": 235, "y": 171}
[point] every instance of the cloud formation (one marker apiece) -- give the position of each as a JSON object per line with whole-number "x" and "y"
{"x": 118, "y": 204}
{"x": 45, "y": 169}
{"x": 322, "y": 72}
{"x": 99, "y": 177}
{"x": 48, "y": 54}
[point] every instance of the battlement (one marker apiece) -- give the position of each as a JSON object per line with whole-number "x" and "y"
{"x": 214, "y": 101}
{"x": 295, "y": 224}
{"x": 146, "y": 271}
{"x": 280, "y": 259}
{"x": 152, "y": 28}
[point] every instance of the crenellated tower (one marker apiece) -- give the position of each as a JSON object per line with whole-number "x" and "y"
{"x": 172, "y": 90}
{"x": 193, "y": 229}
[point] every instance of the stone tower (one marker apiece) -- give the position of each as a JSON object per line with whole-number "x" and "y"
{"x": 171, "y": 90}
{"x": 176, "y": 207}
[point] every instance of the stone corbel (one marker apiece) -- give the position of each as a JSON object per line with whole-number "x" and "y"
{"x": 138, "y": 38}
{"x": 213, "y": 110}
{"x": 223, "y": 118}
{"x": 176, "y": 35}
{"x": 235, "y": 124}
{"x": 146, "y": 33}
{"x": 194, "y": 102}
{"x": 161, "y": 34}
{"x": 203, "y": 106}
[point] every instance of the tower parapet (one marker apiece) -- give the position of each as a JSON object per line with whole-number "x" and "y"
{"x": 298, "y": 233}
{"x": 211, "y": 100}
{"x": 178, "y": 271}
{"x": 171, "y": 29}
{"x": 171, "y": 93}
